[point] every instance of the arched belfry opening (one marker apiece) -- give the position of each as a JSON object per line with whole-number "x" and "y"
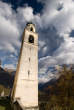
{"x": 30, "y": 27}
{"x": 31, "y": 39}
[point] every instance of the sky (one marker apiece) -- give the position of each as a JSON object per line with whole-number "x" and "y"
{"x": 54, "y": 20}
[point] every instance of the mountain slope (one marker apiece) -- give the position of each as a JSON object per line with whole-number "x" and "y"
{"x": 60, "y": 93}
{"x": 6, "y": 78}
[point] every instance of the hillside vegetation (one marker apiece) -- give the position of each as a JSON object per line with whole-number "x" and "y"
{"x": 6, "y": 82}
{"x": 5, "y": 104}
{"x": 60, "y": 95}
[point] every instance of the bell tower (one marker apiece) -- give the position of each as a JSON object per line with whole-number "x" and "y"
{"x": 25, "y": 88}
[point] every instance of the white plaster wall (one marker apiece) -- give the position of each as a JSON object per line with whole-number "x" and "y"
{"x": 27, "y": 86}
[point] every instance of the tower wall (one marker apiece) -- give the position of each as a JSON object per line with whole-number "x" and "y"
{"x": 26, "y": 79}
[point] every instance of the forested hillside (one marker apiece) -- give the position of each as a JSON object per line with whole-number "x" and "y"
{"x": 6, "y": 82}
{"x": 60, "y": 94}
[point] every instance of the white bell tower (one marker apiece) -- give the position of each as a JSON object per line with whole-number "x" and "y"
{"x": 25, "y": 88}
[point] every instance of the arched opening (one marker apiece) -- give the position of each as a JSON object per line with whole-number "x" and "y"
{"x": 31, "y": 29}
{"x": 31, "y": 39}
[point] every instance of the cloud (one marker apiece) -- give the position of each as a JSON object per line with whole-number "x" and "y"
{"x": 12, "y": 24}
{"x": 60, "y": 15}
{"x": 49, "y": 41}
{"x": 9, "y": 66}
{"x": 43, "y": 78}
{"x": 61, "y": 19}
{"x": 54, "y": 25}
{"x": 26, "y": 13}
{"x": 9, "y": 33}
{"x": 45, "y": 63}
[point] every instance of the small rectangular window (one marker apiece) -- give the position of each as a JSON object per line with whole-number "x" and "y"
{"x": 29, "y": 59}
{"x": 28, "y": 73}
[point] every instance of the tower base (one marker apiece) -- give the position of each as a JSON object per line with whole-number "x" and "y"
{"x": 31, "y": 108}
{"x": 16, "y": 106}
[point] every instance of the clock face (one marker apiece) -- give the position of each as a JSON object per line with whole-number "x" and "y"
{"x": 31, "y": 39}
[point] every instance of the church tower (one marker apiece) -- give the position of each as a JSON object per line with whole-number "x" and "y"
{"x": 25, "y": 88}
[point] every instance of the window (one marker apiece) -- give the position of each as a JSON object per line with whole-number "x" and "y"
{"x": 31, "y": 39}
{"x": 28, "y": 73}
{"x": 31, "y": 29}
{"x": 29, "y": 59}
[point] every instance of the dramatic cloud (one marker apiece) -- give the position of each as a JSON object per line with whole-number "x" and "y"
{"x": 12, "y": 24}
{"x": 60, "y": 47}
{"x": 54, "y": 25}
{"x": 60, "y": 15}
{"x": 8, "y": 29}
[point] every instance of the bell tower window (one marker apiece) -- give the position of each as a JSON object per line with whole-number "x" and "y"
{"x": 31, "y": 29}
{"x": 31, "y": 39}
